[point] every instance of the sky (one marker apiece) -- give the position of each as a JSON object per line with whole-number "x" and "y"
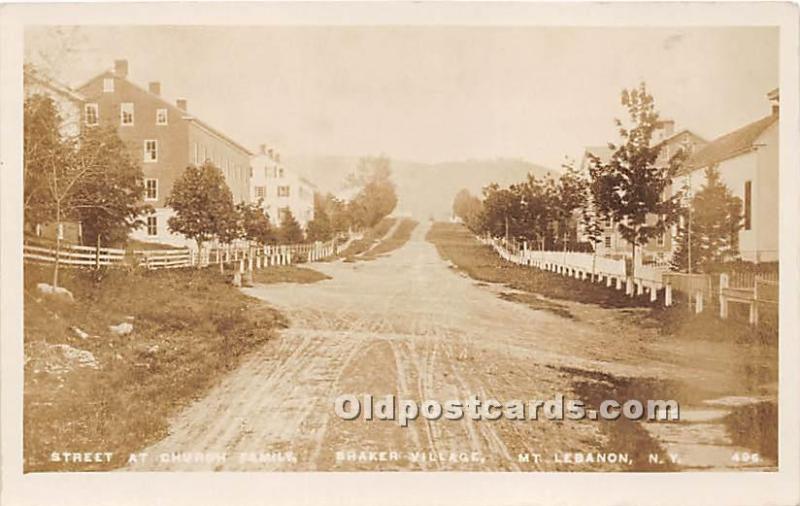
{"x": 430, "y": 94}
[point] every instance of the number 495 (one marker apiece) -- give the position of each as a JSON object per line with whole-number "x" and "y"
{"x": 745, "y": 457}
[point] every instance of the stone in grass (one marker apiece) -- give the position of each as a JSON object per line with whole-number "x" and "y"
{"x": 58, "y": 291}
{"x": 122, "y": 329}
{"x": 78, "y": 332}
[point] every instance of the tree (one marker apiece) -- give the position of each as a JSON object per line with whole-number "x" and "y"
{"x": 108, "y": 202}
{"x": 377, "y": 197}
{"x": 203, "y": 205}
{"x": 571, "y": 196}
{"x": 290, "y": 231}
{"x": 254, "y": 223}
{"x": 501, "y": 211}
{"x": 87, "y": 178}
{"x": 630, "y": 188}
{"x": 43, "y": 149}
{"x": 715, "y": 221}
{"x": 468, "y": 208}
{"x": 319, "y": 229}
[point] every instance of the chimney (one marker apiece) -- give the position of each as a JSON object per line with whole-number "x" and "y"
{"x": 121, "y": 68}
{"x": 181, "y": 104}
{"x": 774, "y": 98}
{"x": 668, "y": 127}
{"x": 154, "y": 87}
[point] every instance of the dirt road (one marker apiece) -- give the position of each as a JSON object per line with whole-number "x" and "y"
{"x": 405, "y": 324}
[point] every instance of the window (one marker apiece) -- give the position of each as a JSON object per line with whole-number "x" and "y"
{"x": 261, "y": 192}
{"x": 126, "y": 113}
{"x": 280, "y": 172}
{"x": 608, "y": 241}
{"x": 283, "y": 191}
{"x": 92, "y": 114}
{"x": 151, "y": 189}
{"x": 150, "y": 151}
{"x": 748, "y": 204}
{"x": 660, "y": 238}
{"x": 161, "y": 116}
{"x": 152, "y": 225}
{"x": 108, "y": 85}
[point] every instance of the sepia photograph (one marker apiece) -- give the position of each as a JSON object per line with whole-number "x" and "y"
{"x": 372, "y": 247}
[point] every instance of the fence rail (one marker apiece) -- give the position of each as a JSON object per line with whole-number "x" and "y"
{"x": 242, "y": 252}
{"x": 74, "y": 255}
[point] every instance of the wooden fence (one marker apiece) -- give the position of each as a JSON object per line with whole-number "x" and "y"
{"x": 73, "y": 255}
{"x": 754, "y": 289}
{"x": 242, "y": 253}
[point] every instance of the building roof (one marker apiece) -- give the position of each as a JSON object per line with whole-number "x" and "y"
{"x": 731, "y": 144}
{"x": 186, "y": 115}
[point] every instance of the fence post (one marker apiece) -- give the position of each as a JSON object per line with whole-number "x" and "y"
{"x": 618, "y": 283}
{"x": 639, "y": 287}
{"x": 608, "y": 281}
{"x": 668, "y": 295}
{"x": 698, "y": 302}
{"x": 653, "y": 293}
{"x": 97, "y": 254}
{"x": 754, "y": 304}
{"x": 629, "y": 286}
{"x": 723, "y": 300}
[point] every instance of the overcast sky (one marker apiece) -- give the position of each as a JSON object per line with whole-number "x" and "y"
{"x": 432, "y": 94}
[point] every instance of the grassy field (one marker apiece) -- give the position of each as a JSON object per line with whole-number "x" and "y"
{"x": 544, "y": 289}
{"x": 371, "y": 236}
{"x": 88, "y": 389}
{"x": 400, "y": 236}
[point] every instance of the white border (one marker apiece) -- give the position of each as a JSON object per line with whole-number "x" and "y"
{"x": 393, "y": 488}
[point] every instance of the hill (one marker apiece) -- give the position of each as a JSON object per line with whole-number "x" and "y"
{"x": 424, "y": 190}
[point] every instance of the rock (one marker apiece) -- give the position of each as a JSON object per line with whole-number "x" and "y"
{"x": 70, "y": 357}
{"x": 152, "y": 349}
{"x": 80, "y": 333}
{"x": 54, "y": 290}
{"x": 122, "y": 329}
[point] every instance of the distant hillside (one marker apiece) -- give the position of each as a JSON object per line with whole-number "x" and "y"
{"x": 424, "y": 190}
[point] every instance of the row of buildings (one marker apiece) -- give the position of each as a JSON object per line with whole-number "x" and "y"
{"x": 165, "y": 138}
{"x": 747, "y": 160}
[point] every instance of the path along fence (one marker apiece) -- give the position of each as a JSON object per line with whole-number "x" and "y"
{"x": 243, "y": 254}
{"x": 754, "y": 290}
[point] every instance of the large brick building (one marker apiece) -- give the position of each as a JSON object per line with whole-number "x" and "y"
{"x": 165, "y": 138}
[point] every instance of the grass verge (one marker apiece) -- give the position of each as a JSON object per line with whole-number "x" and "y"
{"x": 457, "y": 244}
{"x": 88, "y": 389}
{"x": 288, "y": 274}
{"x": 400, "y": 236}
{"x": 371, "y": 236}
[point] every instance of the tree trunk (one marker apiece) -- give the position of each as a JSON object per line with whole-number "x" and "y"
{"x": 58, "y": 245}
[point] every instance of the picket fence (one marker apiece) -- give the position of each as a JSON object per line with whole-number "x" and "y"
{"x": 701, "y": 289}
{"x": 584, "y": 266}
